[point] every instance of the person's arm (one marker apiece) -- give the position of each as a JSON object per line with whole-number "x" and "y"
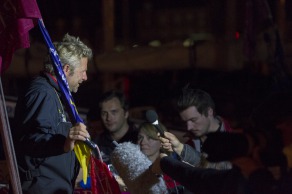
{"x": 197, "y": 159}
{"x": 37, "y": 123}
{"x": 190, "y": 155}
{"x": 186, "y": 153}
{"x": 42, "y": 132}
{"x": 199, "y": 180}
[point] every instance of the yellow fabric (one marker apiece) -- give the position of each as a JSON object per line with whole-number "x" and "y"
{"x": 82, "y": 153}
{"x": 288, "y": 152}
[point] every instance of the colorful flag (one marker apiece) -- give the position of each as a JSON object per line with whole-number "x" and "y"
{"x": 102, "y": 179}
{"x": 17, "y": 17}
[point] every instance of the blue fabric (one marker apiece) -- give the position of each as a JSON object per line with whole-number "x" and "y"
{"x": 87, "y": 185}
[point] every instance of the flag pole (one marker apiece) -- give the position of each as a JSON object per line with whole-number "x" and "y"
{"x": 8, "y": 146}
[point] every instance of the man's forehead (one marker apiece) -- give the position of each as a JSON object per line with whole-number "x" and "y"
{"x": 113, "y": 101}
{"x": 111, "y": 105}
{"x": 191, "y": 110}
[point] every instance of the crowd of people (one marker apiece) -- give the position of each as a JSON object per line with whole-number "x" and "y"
{"x": 215, "y": 159}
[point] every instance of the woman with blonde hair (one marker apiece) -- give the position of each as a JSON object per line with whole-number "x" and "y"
{"x": 150, "y": 145}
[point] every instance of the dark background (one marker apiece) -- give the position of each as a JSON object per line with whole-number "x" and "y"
{"x": 237, "y": 93}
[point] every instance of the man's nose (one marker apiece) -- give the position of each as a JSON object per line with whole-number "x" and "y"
{"x": 189, "y": 126}
{"x": 84, "y": 76}
{"x": 108, "y": 117}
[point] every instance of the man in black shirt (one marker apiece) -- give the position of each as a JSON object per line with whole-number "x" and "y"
{"x": 114, "y": 111}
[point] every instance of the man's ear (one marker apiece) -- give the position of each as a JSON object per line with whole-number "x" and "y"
{"x": 66, "y": 69}
{"x": 126, "y": 114}
{"x": 210, "y": 111}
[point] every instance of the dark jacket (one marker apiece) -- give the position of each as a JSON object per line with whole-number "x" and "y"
{"x": 194, "y": 153}
{"x": 39, "y": 135}
{"x": 106, "y": 145}
{"x": 205, "y": 181}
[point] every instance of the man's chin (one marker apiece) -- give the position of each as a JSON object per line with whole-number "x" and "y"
{"x": 111, "y": 129}
{"x": 74, "y": 90}
{"x": 197, "y": 134}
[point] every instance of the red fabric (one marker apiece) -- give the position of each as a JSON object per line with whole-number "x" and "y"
{"x": 102, "y": 180}
{"x": 169, "y": 182}
{"x": 53, "y": 78}
{"x": 17, "y": 17}
{"x": 227, "y": 126}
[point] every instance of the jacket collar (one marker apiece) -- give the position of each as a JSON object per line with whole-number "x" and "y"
{"x": 51, "y": 79}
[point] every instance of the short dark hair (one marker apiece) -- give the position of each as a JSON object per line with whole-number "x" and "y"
{"x": 115, "y": 94}
{"x": 195, "y": 97}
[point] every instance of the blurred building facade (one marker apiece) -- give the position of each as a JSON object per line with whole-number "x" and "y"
{"x": 151, "y": 48}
